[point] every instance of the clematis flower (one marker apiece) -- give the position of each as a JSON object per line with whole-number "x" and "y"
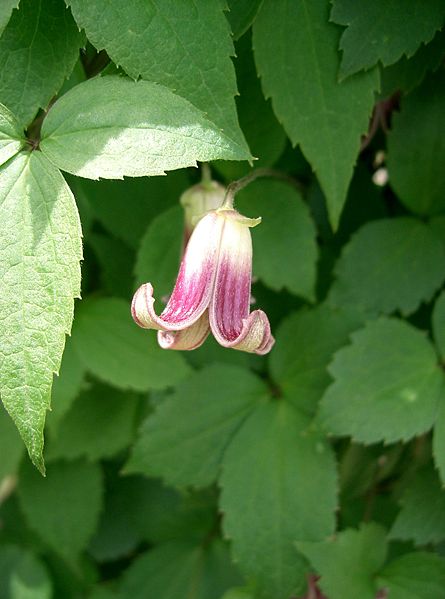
{"x": 212, "y": 290}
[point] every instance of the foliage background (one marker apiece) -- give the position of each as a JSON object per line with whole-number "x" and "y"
{"x": 215, "y": 474}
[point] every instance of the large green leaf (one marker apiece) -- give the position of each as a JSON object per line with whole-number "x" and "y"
{"x": 100, "y": 407}
{"x": 305, "y": 344}
{"x": 111, "y": 126}
{"x": 284, "y": 246}
{"x": 348, "y": 563}
{"x": 184, "y": 440}
{"x": 64, "y": 507}
{"x": 185, "y": 46}
{"x": 179, "y": 569}
{"x": 387, "y": 384}
{"x": 241, "y": 14}
{"x": 376, "y": 32}
{"x": 416, "y": 154}
{"x": 418, "y": 575}
{"x": 38, "y": 50}
{"x": 422, "y": 517}
{"x": 40, "y": 249}
{"x": 271, "y": 496}
{"x": 377, "y": 268}
{"x": 11, "y": 135}
{"x": 297, "y": 58}
{"x": 117, "y": 351}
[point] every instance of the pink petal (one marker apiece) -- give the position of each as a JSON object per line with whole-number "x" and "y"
{"x": 187, "y": 339}
{"x": 193, "y": 288}
{"x": 230, "y": 321}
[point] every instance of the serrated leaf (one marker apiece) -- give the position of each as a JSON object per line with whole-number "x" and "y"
{"x": 347, "y": 564}
{"x": 40, "y": 249}
{"x": 160, "y": 251}
{"x": 416, "y": 154}
{"x": 142, "y": 194}
{"x": 23, "y": 575}
{"x": 438, "y": 323}
{"x": 417, "y": 575}
{"x": 6, "y": 8}
{"x": 98, "y": 408}
{"x": 179, "y": 569}
{"x": 11, "y": 134}
{"x": 422, "y": 515}
{"x": 207, "y": 410}
{"x": 284, "y": 246}
{"x": 130, "y": 128}
{"x": 297, "y": 59}
{"x": 113, "y": 348}
{"x": 38, "y": 50}
{"x": 408, "y": 73}
{"x": 305, "y": 344}
{"x": 264, "y": 134}
{"x": 64, "y": 507}
{"x": 241, "y": 14}
{"x": 377, "y": 268}
{"x": 374, "y": 30}
{"x": 270, "y": 496}
{"x": 186, "y": 47}
{"x": 66, "y": 386}
{"x": 387, "y": 384}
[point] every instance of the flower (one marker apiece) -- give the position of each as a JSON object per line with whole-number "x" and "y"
{"x": 212, "y": 290}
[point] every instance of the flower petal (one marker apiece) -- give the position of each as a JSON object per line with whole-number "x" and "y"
{"x": 187, "y": 339}
{"x": 230, "y": 321}
{"x": 193, "y": 288}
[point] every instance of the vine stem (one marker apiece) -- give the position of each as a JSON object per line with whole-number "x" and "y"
{"x": 206, "y": 173}
{"x": 236, "y": 186}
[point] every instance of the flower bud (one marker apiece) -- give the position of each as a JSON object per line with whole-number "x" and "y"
{"x": 197, "y": 201}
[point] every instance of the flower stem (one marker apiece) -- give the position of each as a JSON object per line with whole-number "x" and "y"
{"x": 236, "y": 186}
{"x": 206, "y": 173}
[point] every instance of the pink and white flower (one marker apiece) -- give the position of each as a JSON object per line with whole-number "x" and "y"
{"x": 212, "y": 290}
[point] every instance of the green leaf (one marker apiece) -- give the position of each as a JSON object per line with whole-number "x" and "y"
{"x": 422, "y": 517}
{"x": 66, "y": 386}
{"x": 130, "y": 128}
{"x": 185, "y": 47}
{"x": 374, "y": 31}
{"x": 305, "y": 344}
{"x": 6, "y": 8}
{"x": 160, "y": 251}
{"x": 11, "y": 134}
{"x": 387, "y": 384}
{"x": 38, "y": 50}
{"x": 184, "y": 440}
{"x": 241, "y": 14}
{"x": 264, "y": 134}
{"x": 113, "y": 348}
{"x": 439, "y": 441}
{"x": 99, "y": 408}
{"x": 22, "y": 575}
{"x": 285, "y": 251}
{"x": 64, "y": 507}
{"x": 347, "y": 564}
{"x": 40, "y": 249}
{"x": 179, "y": 569}
{"x": 377, "y": 268}
{"x": 438, "y": 322}
{"x": 271, "y": 497}
{"x": 297, "y": 58}
{"x": 11, "y": 446}
{"x": 143, "y": 197}
{"x": 116, "y": 263}
{"x": 408, "y": 73}
{"x": 416, "y": 154}
{"x": 238, "y": 593}
{"x": 417, "y": 575}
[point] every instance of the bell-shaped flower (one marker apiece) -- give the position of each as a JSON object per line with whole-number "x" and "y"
{"x": 212, "y": 290}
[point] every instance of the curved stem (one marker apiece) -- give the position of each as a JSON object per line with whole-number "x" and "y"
{"x": 236, "y": 186}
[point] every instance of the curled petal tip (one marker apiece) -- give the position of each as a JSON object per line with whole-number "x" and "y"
{"x": 187, "y": 339}
{"x": 255, "y": 336}
{"x": 142, "y": 306}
